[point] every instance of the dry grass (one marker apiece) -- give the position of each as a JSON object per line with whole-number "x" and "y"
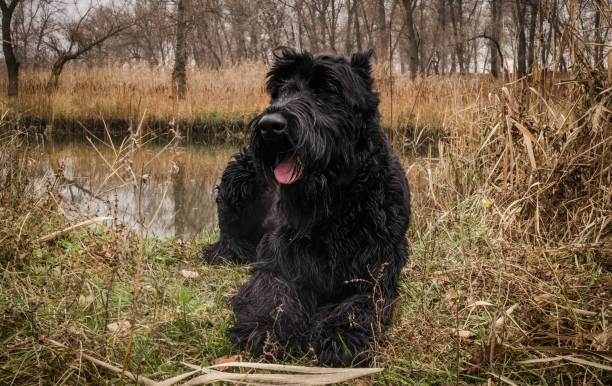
{"x": 510, "y": 279}
{"x": 424, "y": 107}
{"x": 514, "y": 215}
{"x": 125, "y": 92}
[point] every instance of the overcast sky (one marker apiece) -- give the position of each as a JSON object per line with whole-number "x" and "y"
{"x": 83, "y": 4}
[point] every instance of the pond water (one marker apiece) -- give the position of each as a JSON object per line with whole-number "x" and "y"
{"x": 168, "y": 191}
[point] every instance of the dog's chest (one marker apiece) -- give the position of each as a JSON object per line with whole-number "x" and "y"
{"x": 323, "y": 263}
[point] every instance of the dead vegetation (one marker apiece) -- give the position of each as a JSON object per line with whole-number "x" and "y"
{"x": 510, "y": 279}
{"x": 512, "y": 241}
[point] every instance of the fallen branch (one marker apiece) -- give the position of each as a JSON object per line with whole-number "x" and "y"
{"x": 62, "y": 232}
{"x": 567, "y": 358}
{"x": 139, "y": 379}
{"x": 306, "y": 375}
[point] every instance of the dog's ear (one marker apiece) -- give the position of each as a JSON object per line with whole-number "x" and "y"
{"x": 361, "y": 61}
{"x": 284, "y": 52}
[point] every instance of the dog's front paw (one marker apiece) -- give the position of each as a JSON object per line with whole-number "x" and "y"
{"x": 212, "y": 253}
{"x": 221, "y": 252}
{"x": 257, "y": 341}
{"x": 341, "y": 347}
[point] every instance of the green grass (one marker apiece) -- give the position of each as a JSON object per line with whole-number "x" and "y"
{"x": 509, "y": 263}
{"x": 71, "y": 289}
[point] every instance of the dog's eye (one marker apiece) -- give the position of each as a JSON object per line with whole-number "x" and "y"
{"x": 290, "y": 88}
{"x": 317, "y": 85}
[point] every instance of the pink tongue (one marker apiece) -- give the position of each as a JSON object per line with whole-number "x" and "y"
{"x": 287, "y": 172}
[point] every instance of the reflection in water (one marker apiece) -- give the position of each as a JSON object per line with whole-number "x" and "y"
{"x": 178, "y": 184}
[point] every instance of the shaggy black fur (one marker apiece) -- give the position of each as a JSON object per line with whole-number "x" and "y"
{"x": 320, "y": 204}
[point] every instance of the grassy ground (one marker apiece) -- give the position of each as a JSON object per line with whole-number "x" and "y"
{"x": 90, "y": 289}
{"x": 509, "y": 280}
{"x": 79, "y": 290}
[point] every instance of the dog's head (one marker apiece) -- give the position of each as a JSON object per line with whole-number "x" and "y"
{"x": 316, "y": 121}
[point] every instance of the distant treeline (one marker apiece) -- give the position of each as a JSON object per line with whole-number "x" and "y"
{"x": 418, "y": 36}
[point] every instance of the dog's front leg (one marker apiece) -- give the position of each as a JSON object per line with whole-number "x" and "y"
{"x": 342, "y": 333}
{"x": 270, "y": 318}
{"x": 243, "y": 203}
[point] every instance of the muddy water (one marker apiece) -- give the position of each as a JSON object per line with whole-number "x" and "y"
{"x": 167, "y": 191}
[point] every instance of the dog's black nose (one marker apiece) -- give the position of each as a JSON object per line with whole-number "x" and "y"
{"x": 271, "y": 125}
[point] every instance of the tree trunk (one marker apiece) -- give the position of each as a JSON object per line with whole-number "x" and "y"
{"x": 312, "y": 30}
{"x": 532, "y": 32}
{"x": 348, "y": 43}
{"x": 357, "y": 27}
{"x": 179, "y": 75}
{"x": 440, "y": 35}
{"x": 597, "y": 31}
{"x": 381, "y": 31}
{"x": 543, "y": 38}
{"x": 322, "y": 27}
{"x": 413, "y": 45}
{"x": 521, "y": 52}
{"x": 368, "y": 27}
{"x": 457, "y": 22}
{"x": 332, "y": 27}
{"x": 300, "y": 32}
{"x": 12, "y": 64}
{"x": 494, "y": 42}
{"x": 56, "y": 71}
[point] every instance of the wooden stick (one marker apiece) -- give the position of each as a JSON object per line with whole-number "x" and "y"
{"x": 62, "y": 232}
{"x": 140, "y": 379}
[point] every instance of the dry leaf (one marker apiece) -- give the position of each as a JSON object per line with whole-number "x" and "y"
{"x": 543, "y": 298}
{"x": 440, "y": 280}
{"x": 463, "y": 334}
{"x": 120, "y": 326}
{"x": 600, "y": 341}
{"x": 189, "y": 274}
{"x": 74, "y": 330}
{"x": 475, "y": 364}
{"x": 480, "y": 303}
{"x": 227, "y": 359}
{"x": 449, "y": 300}
{"x": 502, "y": 319}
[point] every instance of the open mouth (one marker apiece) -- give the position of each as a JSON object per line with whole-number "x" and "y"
{"x": 289, "y": 169}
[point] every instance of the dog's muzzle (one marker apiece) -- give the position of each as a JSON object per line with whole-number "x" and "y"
{"x": 272, "y": 126}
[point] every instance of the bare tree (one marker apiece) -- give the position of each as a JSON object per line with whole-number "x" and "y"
{"x": 150, "y": 39}
{"x": 382, "y": 33}
{"x": 440, "y": 34}
{"x": 521, "y": 51}
{"x": 495, "y": 38}
{"x": 533, "y": 16}
{"x": 456, "y": 14}
{"x": 179, "y": 75}
{"x": 432, "y": 36}
{"x": 12, "y": 64}
{"x": 76, "y": 38}
{"x": 412, "y": 39}
{"x": 357, "y": 26}
{"x": 32, "y": 22}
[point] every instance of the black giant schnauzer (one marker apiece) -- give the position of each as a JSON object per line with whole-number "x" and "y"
{"x": 320, "y": 204}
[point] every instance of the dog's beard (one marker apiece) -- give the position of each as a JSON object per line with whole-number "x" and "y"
{"x": 308, "y": 163}
{"x": 278, "y": 162}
